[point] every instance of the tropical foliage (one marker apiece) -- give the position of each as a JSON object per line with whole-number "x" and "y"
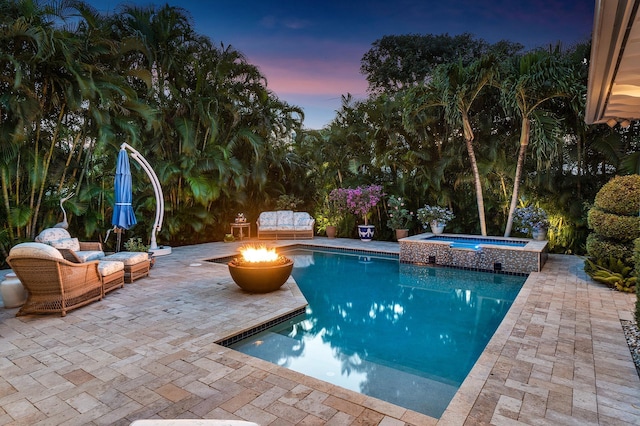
{"x": 449, "y": 120}
{"x": 75, "y": 84}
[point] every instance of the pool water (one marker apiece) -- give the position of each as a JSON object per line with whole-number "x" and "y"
{"x": 471, "y": 240}
{"x": 402, "y": 333}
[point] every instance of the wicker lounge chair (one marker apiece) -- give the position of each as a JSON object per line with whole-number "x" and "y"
{"x": 54, "y": 284}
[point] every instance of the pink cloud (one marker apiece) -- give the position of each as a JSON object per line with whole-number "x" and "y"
{"x": 335, "y": 72}
{"x": 313, "y": 78}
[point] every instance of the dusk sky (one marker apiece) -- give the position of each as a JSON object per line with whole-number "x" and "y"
{"x": 310, "y": 52}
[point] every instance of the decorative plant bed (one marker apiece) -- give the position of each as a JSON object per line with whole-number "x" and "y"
{"x": 497, "y": 254}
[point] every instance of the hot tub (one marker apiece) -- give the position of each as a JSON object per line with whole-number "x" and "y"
{"x": 497, "y": 254}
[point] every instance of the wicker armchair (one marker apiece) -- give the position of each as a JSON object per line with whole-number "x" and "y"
{"x": 54, "y": 284}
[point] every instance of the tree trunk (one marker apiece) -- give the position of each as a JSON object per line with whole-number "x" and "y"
{"x": 468, "y": 137}
{"x": 524, "y": 142}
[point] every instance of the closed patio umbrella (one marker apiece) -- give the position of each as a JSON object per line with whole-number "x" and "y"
{"x": 123, "y": 215}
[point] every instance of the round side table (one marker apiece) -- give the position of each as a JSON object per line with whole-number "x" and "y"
{"x": 12, "y": 291}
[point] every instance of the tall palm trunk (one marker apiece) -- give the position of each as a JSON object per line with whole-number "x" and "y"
{"x": 5, "y": 198}
{"x": 524, "y": 142}
{"x": 468, "y": 138}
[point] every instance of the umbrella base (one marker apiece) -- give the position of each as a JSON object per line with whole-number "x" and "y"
{"x": 161, "y": 251}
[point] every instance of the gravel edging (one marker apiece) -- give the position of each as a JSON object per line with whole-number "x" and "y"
{"x": 632, "y": 333}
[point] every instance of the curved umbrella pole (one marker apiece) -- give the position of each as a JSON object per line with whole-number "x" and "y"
{"x": 157, "y": 189}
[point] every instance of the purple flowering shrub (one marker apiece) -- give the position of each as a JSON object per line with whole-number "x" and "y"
{"x": 358, "y": 201}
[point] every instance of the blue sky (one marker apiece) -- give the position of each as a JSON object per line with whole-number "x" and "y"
{"x": 310, "y": 52}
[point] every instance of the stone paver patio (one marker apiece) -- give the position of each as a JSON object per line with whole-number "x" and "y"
{"x": 149, "y": 351}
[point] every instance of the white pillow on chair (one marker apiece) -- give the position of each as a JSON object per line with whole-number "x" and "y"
{"x": 66, "y": 243}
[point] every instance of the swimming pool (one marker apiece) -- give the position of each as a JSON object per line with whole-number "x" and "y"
{"x": 403, "y": 333}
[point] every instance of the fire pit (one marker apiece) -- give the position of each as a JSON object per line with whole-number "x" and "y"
{"x": 260, "y": 270}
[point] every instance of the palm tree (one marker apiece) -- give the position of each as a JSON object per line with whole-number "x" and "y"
{"x": 454, "y": 88}
{"x": 529, "y": 83}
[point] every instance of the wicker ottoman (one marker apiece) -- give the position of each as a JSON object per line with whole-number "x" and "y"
{"x": 112, "y": 273}
{"x": 136, "y": 264}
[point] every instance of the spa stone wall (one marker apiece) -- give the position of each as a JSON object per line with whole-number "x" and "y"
{"x": 516, "y": 260}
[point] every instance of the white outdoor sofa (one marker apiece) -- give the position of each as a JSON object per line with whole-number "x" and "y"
{"x": 285, "y": 224}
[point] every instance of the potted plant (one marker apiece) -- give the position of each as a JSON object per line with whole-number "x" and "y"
{"x": 329, "y": 215}
{"x": 360, "y": 201}
{"x": 531, "y": 220}
{"x": 435, "y": 216}
{"x": 136, "y": 244}
{"x": 399, "y": 216}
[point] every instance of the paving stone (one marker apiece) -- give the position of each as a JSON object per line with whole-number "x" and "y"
{"x": 172, "y": 392}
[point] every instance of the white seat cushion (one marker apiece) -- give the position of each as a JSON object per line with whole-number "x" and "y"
{"x": 87, "y": 255}
{"x": 108, "y": 267}
{"x": 35, "y": 249}
{"x": 128, "y": 257}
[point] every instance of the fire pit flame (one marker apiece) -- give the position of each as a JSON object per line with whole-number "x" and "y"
{"x": 255, "y": 254}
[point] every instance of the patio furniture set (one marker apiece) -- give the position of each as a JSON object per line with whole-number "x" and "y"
{"x": 61, "y": 273}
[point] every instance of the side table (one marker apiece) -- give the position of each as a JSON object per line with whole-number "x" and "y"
{"x": 241, "y": 226}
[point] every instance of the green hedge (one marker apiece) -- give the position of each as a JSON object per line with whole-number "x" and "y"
{"x": 621, "y": 195}
{"x": 618, "y": 227}
{"x": 636, "y": 257}
{"x": 602, "y": 248}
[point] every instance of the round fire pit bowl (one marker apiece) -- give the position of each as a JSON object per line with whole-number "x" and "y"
{"x": 260, "y": 277}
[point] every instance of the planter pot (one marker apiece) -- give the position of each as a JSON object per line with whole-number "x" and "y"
{"x": 331, "y": 231}
{"x": 539, "y": 234}
{"x": 401, "y": 233}
{"x": 366, "y": 232}
{"x": 260, "y": 278}
{"x": 152, "y": 259}
{"x": 437, "y": 227}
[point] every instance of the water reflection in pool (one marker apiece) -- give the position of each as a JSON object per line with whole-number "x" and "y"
{"x": 402, "y": 333}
